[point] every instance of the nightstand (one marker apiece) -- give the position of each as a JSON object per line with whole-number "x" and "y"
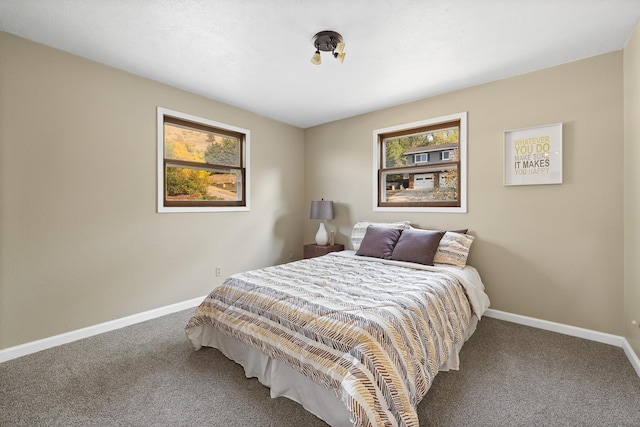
{"x": 313, "y": 250}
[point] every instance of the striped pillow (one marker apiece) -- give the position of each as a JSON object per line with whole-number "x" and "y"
{"x": 453, "y": 249}
{"x": 360, "y": 229}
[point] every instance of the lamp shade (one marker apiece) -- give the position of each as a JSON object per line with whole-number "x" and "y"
{"x": 322, "y": 209}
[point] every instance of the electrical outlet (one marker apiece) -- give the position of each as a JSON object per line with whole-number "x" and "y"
{"x": 218, "y": 271}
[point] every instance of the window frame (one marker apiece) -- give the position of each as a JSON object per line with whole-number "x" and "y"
{"x": 408, "y": 129}
{"x": 200, "y": 123}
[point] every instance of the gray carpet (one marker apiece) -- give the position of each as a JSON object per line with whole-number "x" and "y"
{"x": 148, "y": 375}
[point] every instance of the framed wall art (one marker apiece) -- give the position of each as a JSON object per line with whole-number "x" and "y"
{"x": 533, "y": 156}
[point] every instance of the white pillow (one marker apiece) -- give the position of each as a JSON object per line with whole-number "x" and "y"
{"x": 360, "y": 229}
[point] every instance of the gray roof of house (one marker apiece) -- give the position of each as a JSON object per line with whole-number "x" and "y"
{"x": 430, "y": 148}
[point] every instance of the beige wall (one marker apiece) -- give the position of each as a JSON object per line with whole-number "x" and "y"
{"x": 553, "y": 252}
{"x": 81, "y": 242}
{"x": 632, "y": 189}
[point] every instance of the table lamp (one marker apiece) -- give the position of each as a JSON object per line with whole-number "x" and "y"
{"x": 322, "y": 210}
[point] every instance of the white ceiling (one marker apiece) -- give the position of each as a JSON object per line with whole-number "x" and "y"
{"x": 256, "y": 54}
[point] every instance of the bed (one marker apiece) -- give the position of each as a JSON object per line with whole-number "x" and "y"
{"x": 356, "y": 337}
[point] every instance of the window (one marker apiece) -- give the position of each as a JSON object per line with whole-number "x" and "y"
{"x": 202, "y": 164}
{"x": 419, "y": 158}
{"x": 421, "y": 166}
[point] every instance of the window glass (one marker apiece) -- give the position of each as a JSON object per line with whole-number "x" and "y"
{"x": 201, "y": 164}
{"x": 420, "y": 165}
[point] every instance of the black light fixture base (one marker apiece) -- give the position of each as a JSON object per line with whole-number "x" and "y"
{"x": 327, "y": 41}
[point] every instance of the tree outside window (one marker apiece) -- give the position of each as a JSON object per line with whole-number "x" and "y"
{"x": 202, "y": 164}
{"x": 421, "y": 165}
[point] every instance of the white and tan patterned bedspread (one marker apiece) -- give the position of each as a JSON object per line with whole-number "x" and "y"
{"x": 374, "y": 333}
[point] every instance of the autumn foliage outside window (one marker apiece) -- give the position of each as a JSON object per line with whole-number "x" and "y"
{"x": 421, "y": 165}
{"x": 203, "y": 164}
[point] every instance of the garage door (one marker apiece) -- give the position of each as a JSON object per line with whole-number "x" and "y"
{"x": 423, "y": 181}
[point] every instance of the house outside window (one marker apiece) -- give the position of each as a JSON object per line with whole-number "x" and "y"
{"x": 202, "y": 164}
{"x": 421, "y": 166}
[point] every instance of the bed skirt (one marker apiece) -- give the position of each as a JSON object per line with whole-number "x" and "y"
{"x": 284, "y": 381}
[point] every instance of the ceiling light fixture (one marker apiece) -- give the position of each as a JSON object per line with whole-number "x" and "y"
{"x": 328, "y": 41}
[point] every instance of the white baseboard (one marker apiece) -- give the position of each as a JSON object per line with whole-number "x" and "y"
{"x": 573, "y": 331}
{"x": 67, "y": 337}
{"x": 43, "y": 344}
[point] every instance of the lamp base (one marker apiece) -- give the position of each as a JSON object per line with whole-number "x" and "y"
{"x": 322, "y": 237}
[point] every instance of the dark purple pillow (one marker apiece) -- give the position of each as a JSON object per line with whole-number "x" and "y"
{"x": 378, "y": 242}
{"x": 417, "y": 246}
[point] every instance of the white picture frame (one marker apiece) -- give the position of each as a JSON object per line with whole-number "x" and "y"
{"x": 533, "y": 156}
